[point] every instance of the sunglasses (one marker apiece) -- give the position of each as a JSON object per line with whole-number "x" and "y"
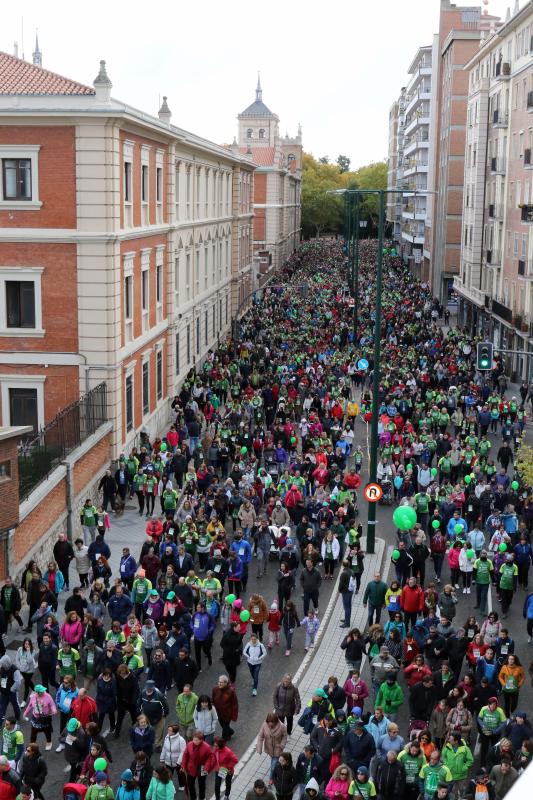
{"x": 344, "y": 773}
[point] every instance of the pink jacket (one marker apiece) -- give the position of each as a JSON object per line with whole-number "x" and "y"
{"x": 40, "y": 705}
{"x": 453, "y": 557}
{"x": 71, "y": 632}
{"x": 337, "y": 786}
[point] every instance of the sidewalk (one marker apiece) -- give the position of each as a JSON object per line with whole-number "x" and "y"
{"x": 326, "y": 659}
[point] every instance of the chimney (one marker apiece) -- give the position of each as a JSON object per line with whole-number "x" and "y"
{"x": 16, "y": 49}
{"x": 164, "y": 112}
{"x": 102, "y": 85}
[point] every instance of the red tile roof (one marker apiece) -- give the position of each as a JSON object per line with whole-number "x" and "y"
{"x": 262, "y": 156}
{"x": 19, "y": 77}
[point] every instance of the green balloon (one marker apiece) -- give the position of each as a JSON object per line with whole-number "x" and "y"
{"x": 244, "y": 450}
{"x": 395, "y": 555}
{"x": 404, "y": 517}
{"x": 470, "y": 554}
{"x": 515, "y": 485}
{"x": 467, "y": 479}
{"x": 163, "y": 447}
{"x": 434, "y": 471}
{"x": 100, "y": 765}
{"x": 230, "y": 599}
{"x": 458, "y": 529}
{"x": 244, "y": 616}
{"x": 293, "y": 439}
{"x": 502, "y": 548}
{"x": 435, "y": 524}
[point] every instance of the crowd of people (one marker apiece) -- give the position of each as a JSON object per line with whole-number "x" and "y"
{"x": 262, "y": 467}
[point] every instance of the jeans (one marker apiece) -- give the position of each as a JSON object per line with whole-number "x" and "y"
{"x": 308, "y": 596}
{"x": 371, "y": 611}
{"x": 255, "y": 669}
{"x": 438, "y": 559}
{"x": 482, "y": 591}
{"x": 5, "y": 700}
{"x": 347, "y": 605}
{"x": 289, "y": 633}
{"x": 89, "y": 533}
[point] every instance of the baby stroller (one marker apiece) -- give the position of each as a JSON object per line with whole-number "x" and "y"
{"x": 386, "y": 497}
{"x": 416, "y": 726}
{"x": 275, "y": 533}
{"x": 74, "y": 791}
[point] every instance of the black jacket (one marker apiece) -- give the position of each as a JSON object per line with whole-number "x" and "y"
{"x": 33, "y": 771}
{"x": 76, "y": 603}
{"x": 231, "y": 644}
{"x": 327, "y": 741}
{"x": 302, "y": 765}
{"x": 185, "y": 671}
{"x": 16, "y": 602}
{"x": 128, "y": 692}
{"x": 359, "y": 749}
{"x": 390, "y": 779}
{"x": 155, "y": 706}
{"x": 422, "y": 700}
{"x": 285, "y": 779}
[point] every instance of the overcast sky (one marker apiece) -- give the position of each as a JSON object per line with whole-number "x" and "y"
{"x": 335, "y": 67}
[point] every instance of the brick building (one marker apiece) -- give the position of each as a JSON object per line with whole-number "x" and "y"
{"x": 125, "y": 248}
{"x": 277, "y": 203}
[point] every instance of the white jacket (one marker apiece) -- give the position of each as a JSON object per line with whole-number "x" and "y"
{"x": 335, "y": 548}
{"x": 254, "y": 653}
{"x": 173, "y": 750}
{"x": 466, "y": 564}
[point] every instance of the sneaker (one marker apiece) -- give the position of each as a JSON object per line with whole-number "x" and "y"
{"x": 456, "y": 585}
{"x": 106, "y": 733}
{"x": 22, "y": 703}
{"x": 287, "y": 652}
{"x": 529, "y": 639}
{"x": 254, "y": 692}
{"x": 464, "y": 590}
{"x": 305, "y": 648}
{"x": 48, "y": 746}
{"x": 468, "y": 591}
{"x": 181, "y": 788}
{"x": 60, "y": 748}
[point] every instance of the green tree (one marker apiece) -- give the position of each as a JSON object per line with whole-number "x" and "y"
{"x": 324, "y": 159}
{"x": 524, "y": 464}
{"x": 343, "y": 163}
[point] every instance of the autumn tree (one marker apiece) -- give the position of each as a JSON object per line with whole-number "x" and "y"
{"x": 343, "y": 163}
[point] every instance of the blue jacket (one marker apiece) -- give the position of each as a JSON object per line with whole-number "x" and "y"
{"x": 243, "y": 550}
{"x": 523, "y": 553}
{"x": 64, "y": 699}
{"x": 202, "y": 626}
{"x": 106, "y": 695}
{"x": 451, "y": 526}
{"x": 528, "y": 607}
{"x": 489, "y": 670}
{"x": 128, "y": 567}
{"x": 235, "y": 569}
{"x": 119, "y": 608}
{"x": 142, "y": 741}
{"x": 476, "y": 539}
{"x": 59, "y": 580}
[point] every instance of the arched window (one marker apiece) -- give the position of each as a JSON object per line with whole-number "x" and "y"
{"x": 249, "y": 133}
{"x": 261, "y": 133}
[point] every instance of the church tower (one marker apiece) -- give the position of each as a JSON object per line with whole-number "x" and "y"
{"x": 37, "y": 56}
{"x": 258, "y": 125}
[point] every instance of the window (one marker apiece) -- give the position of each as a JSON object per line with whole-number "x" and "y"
{"x": 206, "y": 327}
{"x": 214, "y": 320}
{"x": 127, "y": 182}
{"x": 20, "y": 304}
{"x": 159, "y": 185}
{"x": 16, "y": 178}
{"x": 159, "y": 284}
{"x": 146, "y": 387}
{"x": 5, "y": 471}
{"x": 159, "y": 374}
{"x": 177, "y": 191}
{"x": 198, "y": 336}
{"x": 23, "y": 407}
{"x": 220, "y": 313}
{"x": 188, "y": 344}
{"x": 20, "y": 301}
{"x": 177, "y": 345}
{"x": 188, "y": 275}
{"x": 261, "y": 133}
{"x": 144, "y": 183}
{"x": 128, "y": 297}
{"x": 198, "y": 178}
{"x": 188, "y": 192}
{"x": 145, "y": 290}
{"x": 249, "y": 133}
{"x": 129, "y": 402}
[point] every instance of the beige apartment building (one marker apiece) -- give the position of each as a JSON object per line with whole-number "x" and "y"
{"x": 395, "y": 165}
{"x": 495, "y": 284}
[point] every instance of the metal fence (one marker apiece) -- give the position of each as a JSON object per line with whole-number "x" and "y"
{"x": 37, "y": 457}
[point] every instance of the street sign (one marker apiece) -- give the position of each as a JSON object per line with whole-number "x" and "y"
{"x": 362, "y": 363}
{"x": 373, "y": 492}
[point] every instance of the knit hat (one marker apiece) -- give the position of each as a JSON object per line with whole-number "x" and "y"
{"x": 100, "y": 776}
{"x": 127, "y": 775}
{"x": 73, "y": 725}
{"x": 363, "y": 770}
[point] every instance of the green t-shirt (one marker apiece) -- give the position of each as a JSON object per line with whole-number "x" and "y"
{"x": 10, "y": 741}
{"x": 422, "y": 503}
{"x": 483, "y": 569}
{"x": 507, "y": 574}
{"x": 364, "y": 790}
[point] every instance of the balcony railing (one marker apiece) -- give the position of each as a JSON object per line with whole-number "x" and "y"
{"x": 503, "y": 69}
{"x": 72, "y": 426}
{"x": 502, "y": 311}
{"x": 495, "y": 211}
{"x": 530, "y": 101}
{"x": 497, "y": 164}
{"x": 521, "y": 267}
{"x": 500, "y": 117}
{"x": 493, "y": 257}
{"x": 527, "y": 213}
{"x": 527, "y": 157}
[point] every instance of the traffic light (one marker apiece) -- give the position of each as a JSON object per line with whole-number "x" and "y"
{"x": 485, "y": 351}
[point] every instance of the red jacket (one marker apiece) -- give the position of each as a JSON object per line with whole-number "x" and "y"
{"x": 225, "y": 758}
{"x": 195, "y": 757}
{"x": 84, "y": 710}
{"x": 226, "y": 703}
{"x": 412, "y": 599}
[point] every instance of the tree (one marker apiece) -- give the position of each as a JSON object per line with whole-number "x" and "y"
{"x": 343, "y": 163}
{"x": 324, "y": 159}
{"x": 524, "y": 464}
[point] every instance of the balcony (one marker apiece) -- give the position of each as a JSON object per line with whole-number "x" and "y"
{"x": 469, "y": 292}
{"x": 494, "y": 258}
{"x": 495, "y": 211}
{"x": 503, "y": 70}
{"x": 528, "y": 161}
{"x": 500, "y": 119}
{"x": 530, "y": 101}
{"x": 525, "y": 269}
{"x": 521, "y": 267}
{"x": 497, "y": 165}
{"x": 502, "y": 311}
{"x": 527, "y": 213}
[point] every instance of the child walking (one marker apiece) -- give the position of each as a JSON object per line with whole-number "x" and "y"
{"x": 311, "y": 623}
{"x": 273, "y": 625}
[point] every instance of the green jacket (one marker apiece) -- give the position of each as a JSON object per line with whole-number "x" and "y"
{"x": 185, "y": 708}
{"x": 160, "y": 791}
{"x": 458, "y": 761}
{"x": 375, "y": 593}
{"x": 390, "y": 697}
{"x": 433, "y": 775}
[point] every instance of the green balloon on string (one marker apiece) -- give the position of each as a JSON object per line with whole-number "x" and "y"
{"x": 515, "y": 485}
{"x": 435, "y": 524}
